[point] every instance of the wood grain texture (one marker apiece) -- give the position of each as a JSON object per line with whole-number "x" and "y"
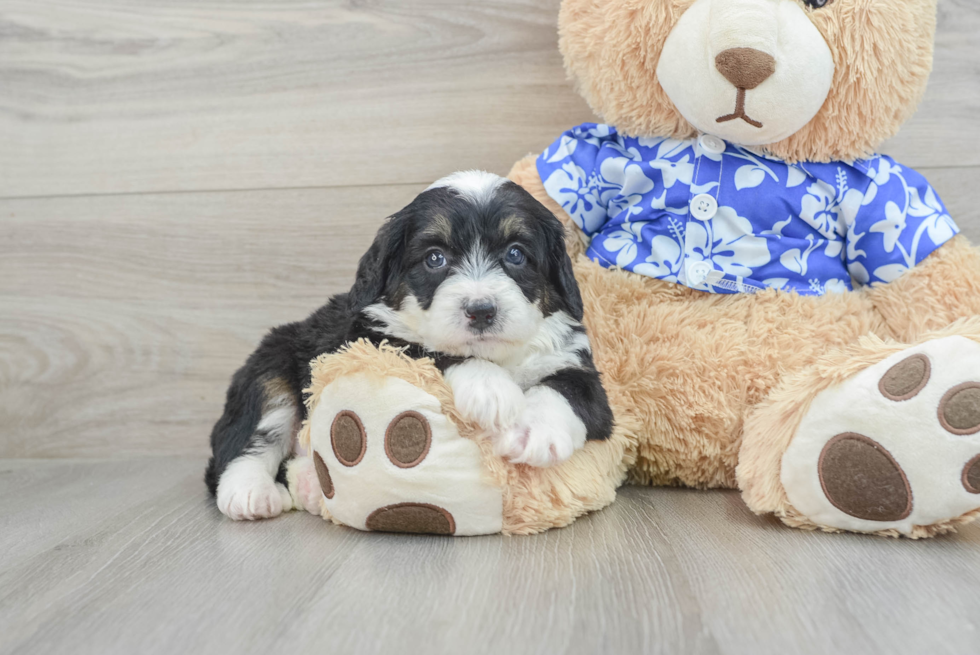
{"x": 944, "y": 131}
{"x": 117, "y": 96}
{"x": 122, "y": 318}
{"x": 130, "y": 556}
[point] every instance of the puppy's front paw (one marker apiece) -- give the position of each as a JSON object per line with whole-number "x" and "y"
{"x": 486, "y": 394}
{"x": 247, "y": 492}
{"x": 547, "y": 433}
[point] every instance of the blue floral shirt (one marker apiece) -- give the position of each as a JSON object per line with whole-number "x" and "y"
{"x": 724, "y": 219}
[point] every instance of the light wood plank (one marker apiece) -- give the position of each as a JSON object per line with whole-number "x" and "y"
{"x": 115, "y": 96}
{"x": 836, "y": 593}
{"x": 944, "y": 131}
{"x": 151, "y": 567}
{"x": 119, "y": 96}
{"x": 124, "y": 317}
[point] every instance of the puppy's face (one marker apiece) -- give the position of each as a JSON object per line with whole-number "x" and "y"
{"x": 472, "y": 267}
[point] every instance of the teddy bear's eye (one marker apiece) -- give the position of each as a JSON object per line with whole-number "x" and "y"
{"x": 817, "y": 4}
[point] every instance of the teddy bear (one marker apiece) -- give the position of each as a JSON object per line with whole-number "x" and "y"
{"x": 773, "y": 307}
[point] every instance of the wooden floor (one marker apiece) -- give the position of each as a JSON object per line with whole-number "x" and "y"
{"x": 129, "y": 557}
{"x": 175, "y": 178}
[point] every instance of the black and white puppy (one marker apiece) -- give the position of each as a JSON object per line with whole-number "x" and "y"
{"x": 474, "y": 274}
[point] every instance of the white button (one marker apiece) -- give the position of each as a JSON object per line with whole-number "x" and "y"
{"x": 704, "y": 207}
{"x": 698, "y": 272}
{"x": 712, "y": 144}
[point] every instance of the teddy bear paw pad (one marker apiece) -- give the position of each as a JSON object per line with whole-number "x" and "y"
{"x": 388, "y": 460}
{"x": 412, "y": 517}
{"x": 895, "y": 446}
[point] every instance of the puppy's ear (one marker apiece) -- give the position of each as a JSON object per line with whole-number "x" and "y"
{"x": 560, "y": 265}
{"x": 559, "y": 270}
{"x": 378, "y": 263}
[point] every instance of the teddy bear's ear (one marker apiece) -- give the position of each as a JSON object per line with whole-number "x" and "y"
{"x": 611, "y": 49}
{"x": 376, "y": 266}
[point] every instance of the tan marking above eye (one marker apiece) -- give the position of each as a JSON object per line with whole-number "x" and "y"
{"x": 959, "y": 409}
{"x": 906, "y": 379}
{"x": 348, "y": 438}
{"x": 407, "y": 439}
{"x": 440, "y": 227}
{"x": 862, "y": 479}
{"x": 514, "y": 226}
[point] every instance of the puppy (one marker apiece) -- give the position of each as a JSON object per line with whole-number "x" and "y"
{"x": 474, "y": 274}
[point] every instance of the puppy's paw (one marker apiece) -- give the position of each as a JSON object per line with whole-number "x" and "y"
{"x": 547, "y": 433}
{"x": 534, "y": 444}
{"x": 486, "y": 394}
{"x": 247, "y": 492}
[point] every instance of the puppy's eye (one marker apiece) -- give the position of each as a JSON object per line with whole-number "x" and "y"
{"x": 435, "y": 260}
{"x": 817, "y": 4}
{"x": 515, "y": 256}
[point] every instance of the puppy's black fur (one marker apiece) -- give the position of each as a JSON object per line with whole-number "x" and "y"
{"x": 392, "y": 269}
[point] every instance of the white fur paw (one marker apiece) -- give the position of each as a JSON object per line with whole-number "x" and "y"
{"x": 247, "y": 492}
{"x": 894, "y": 448}
{"x": 547, "y": 433}
{"x": 486, "y": 394}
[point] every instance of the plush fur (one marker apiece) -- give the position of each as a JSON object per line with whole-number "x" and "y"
{"x": 770, "y": 426}
{"x": 534, "y": 499}
{"x": 882, "y": 56}
{"x": 709, "y": 390}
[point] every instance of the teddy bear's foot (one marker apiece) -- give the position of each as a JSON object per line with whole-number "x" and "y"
{"x": 893, "y": 449}
{"x": 385, "y": 458}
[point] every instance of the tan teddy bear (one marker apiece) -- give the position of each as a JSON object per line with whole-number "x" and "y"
{"x": 773, "y": 307}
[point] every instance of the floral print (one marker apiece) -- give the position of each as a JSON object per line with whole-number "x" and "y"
{"x": 812, "y": 228}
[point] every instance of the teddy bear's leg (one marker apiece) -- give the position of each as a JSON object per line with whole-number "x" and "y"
{"x": 879, "y": 437}
{"x": 388, "y": 451}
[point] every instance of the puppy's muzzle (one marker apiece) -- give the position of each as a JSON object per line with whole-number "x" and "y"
{"x": 480, "y": 315}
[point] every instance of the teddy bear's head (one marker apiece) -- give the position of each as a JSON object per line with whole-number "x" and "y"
{"x": 806, "y": 79}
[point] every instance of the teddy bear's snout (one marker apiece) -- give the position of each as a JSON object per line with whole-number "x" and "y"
{"x": 745, "y": 68}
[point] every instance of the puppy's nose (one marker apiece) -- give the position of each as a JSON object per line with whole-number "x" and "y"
{"x": 481, "y": 314}
{"x": 746, "y": 68}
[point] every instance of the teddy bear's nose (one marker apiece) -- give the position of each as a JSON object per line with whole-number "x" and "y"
{"x": 746, "y": 68}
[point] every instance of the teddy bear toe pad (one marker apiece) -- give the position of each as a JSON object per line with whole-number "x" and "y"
{"x": 895, "y": 446}
{"x": 388, "y": 460}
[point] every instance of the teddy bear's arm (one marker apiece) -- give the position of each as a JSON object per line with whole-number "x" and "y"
{"x": 941, "y": 289}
